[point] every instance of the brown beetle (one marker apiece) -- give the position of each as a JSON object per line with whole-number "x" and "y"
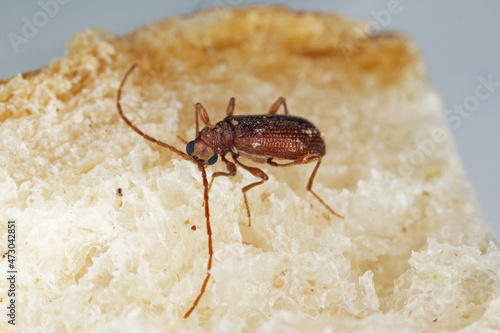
{"x": 261, "y": 138}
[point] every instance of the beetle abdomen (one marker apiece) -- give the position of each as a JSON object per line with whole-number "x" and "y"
{"x": 276, "y": 136}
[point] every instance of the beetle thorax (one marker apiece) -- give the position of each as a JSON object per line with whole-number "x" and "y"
{"x": 213, "y": 139}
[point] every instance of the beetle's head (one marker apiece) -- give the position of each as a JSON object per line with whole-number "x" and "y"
{"x": 201, "y": 150}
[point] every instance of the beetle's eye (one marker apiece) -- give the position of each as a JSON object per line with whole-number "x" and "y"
{"x": 212, "y": 160}
{"x": 190, "y": 148}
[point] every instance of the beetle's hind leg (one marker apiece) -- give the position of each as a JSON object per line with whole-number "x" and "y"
{"x": 304, "y": 160}
{"x": 309, "y": 188}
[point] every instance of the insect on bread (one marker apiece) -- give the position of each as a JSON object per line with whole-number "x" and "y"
{"x": 261, "y": 138}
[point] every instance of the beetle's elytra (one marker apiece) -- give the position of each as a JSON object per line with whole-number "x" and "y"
{"x": 267, "y": 136}
{"x": 262, "y": 138}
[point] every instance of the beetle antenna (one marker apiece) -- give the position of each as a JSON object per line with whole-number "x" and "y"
{"x": 187, "y": 157}
{"x": 137, "y": 130}
{"x": 209, "y": 234}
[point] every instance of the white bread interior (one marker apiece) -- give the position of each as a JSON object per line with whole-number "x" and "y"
{"x": 104, "y": 217}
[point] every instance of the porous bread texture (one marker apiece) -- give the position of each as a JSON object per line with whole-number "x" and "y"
{"x": 104, "y": 218}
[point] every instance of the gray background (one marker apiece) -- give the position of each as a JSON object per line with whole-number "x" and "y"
{"x": 459, "y": 40}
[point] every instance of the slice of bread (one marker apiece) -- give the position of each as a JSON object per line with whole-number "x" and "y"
{"x": 111, "y": 232}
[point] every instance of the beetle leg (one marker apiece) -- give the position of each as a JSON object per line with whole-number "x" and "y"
{"x": 202, "y": 113}
{"x": 230, "y": 107}
{"x": 303, "y": 160}
{"x": 231, "y": 167}
{"x": 309, "y": 188}
{"x": 255, "y": 172}
{"x": 274, "y": 108}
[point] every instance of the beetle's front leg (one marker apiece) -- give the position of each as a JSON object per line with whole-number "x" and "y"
{"x": 201, "y": 112}
{"x": 231, "y": 167}
{"x": 276, "y": 105}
